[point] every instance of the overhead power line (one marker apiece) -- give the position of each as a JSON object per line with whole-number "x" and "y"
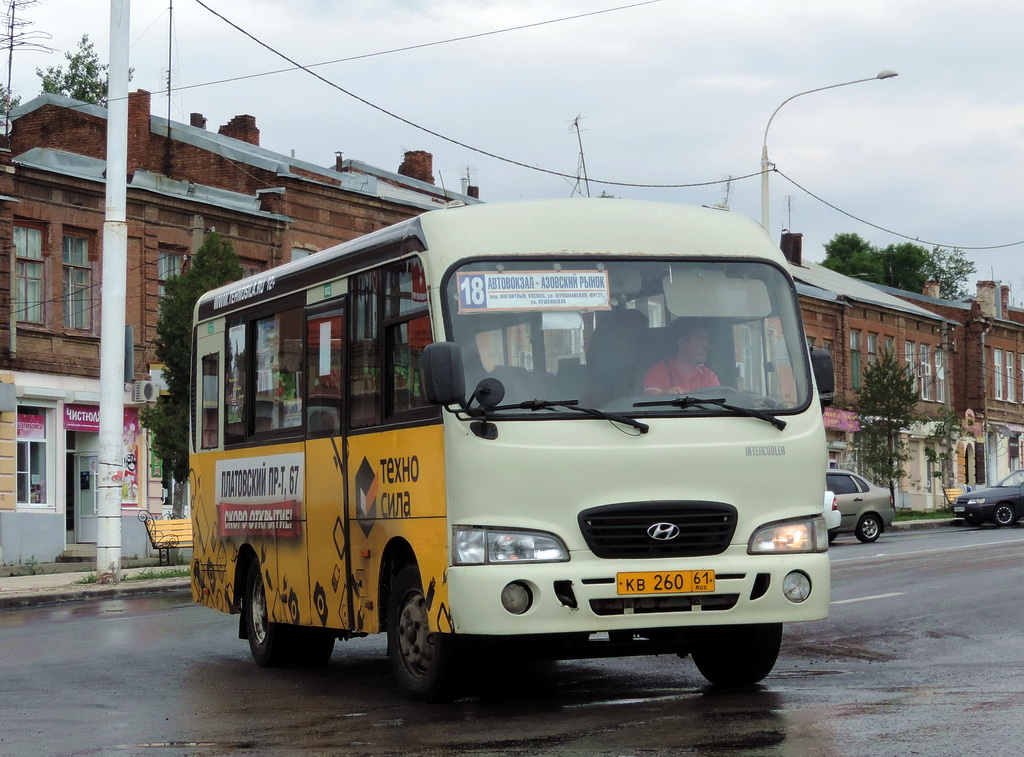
{"x": 438, "y": 135}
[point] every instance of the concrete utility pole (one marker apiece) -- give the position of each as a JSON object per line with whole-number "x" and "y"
{"x": 114, "y": 293}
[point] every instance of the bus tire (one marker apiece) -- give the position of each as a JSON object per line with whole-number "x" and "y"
{"x": 738, "y": 655}
{"x": 268, "y": 642}
{"x": 423, "y": 662}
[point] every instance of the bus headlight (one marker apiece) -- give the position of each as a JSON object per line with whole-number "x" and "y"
{"x": 479, "y": 546}
{"x": 789, "y": 537}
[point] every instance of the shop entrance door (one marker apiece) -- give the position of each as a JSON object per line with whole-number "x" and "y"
{"x": 85, "y": 498}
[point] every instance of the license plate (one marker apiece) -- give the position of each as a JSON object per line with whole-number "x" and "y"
{"x": 666, "y": 582}
{"x": 958, "y": 509}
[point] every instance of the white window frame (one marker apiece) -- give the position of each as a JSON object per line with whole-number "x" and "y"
{"x": 169, "y": 265}
{"x": 926, "y": 371}
{"x": 1010, "y": 377}
{"x": 27, "y": 448}
{"x": 940, "y": 376}
{"x": 77, "y": 277}
{"x": 997, "y": 369}
{"x": 29, "y": 258}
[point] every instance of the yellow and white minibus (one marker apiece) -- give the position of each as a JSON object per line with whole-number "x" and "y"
{"x": 485, "y": 433}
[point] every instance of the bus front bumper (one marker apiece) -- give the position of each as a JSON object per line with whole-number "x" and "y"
{"x": 586, "y": 595}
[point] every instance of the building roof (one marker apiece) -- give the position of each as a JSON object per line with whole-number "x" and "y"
{"x": 816, "y": 281}
{"x": 364, "y": 179}
{"x": 93, "y": 169}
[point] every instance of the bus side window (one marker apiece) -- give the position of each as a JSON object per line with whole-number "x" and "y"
{"x": 407, "y": 332}
{"x": 235, "y": 412}
{"x": 406, "y": 341}
{"x": 364, "y": 352}
{"x": 325, "y": 347}
{"x": 211, "y": 401}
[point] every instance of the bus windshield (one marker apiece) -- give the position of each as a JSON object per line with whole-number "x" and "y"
{"x": 631, "y": 336}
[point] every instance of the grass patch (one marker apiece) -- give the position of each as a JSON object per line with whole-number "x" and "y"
{"x": 174, "y": 571}
{"x": 941, "y": 514}
{"x": 182, "y": 571}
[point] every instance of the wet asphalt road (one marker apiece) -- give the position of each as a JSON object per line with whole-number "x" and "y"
{"x": 922, "y": 654}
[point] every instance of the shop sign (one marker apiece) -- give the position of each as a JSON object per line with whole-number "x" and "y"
{"x": 841, "y": 420}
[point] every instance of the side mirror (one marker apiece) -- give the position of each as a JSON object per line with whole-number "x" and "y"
{"x": 824, "y": 375}
{"x": 444, "y": 382}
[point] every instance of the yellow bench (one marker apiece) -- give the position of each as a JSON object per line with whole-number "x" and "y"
{"x": 166, "y": 534}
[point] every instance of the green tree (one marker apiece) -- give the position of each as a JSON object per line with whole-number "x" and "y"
{"x": 887, "y": 404}
{"x": 8, "y": 102}
{"x": 952, "y": 270}
{"x": 85, "y": 78}
{"x": 904, "y": 266}
{"x": 851, "y": 255}
{"x": 213, "y": 264}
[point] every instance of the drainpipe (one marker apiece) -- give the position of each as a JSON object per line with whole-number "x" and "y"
{"x": 984, "y": 401}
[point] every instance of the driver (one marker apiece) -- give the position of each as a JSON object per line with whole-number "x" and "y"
{"x": 685, "y": 372}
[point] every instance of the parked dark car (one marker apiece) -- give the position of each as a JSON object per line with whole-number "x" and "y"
{"x": 1002, "y": 504}
{"x": 866, "y": 509}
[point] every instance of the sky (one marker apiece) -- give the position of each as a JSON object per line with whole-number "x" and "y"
{"x": 672, "y": 99}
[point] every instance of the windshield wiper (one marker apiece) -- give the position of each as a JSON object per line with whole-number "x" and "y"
{"x": 687, "y": 401}
{"x": 534, "y": 405}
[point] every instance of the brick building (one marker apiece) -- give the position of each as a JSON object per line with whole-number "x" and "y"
{"x": 857, "y": 322}
{"x": 183, "y": 182}
{"x": 967, "y": 357}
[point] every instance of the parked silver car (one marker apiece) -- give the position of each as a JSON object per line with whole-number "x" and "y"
{"x": 866, "y": 510}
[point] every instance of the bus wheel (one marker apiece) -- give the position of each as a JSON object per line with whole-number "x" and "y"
{"x": 738, "y": 655}
{"x": 268, "y": 641}
{"x": 422, "y": 661}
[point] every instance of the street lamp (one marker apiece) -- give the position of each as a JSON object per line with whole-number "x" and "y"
{"x": 766, "y": 165}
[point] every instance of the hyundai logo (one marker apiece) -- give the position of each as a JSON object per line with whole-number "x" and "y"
{"x": 663, "y": 531}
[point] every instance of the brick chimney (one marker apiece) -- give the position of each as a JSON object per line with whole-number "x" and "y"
{"x": 986, "y": 298}
{"x": 198, "y": 120}
{"x": 473, "y": 191}
{"x": 930, "y": 289}
{"x": 242, "y": 128}
{"x": 418, "y": 164}
{"x": 339, "y": 161}
{"x": 139, "y": 103}
{"x": 1004, "y": 300}
{"x": 793, "y": 247}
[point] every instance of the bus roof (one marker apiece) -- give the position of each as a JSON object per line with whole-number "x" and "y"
{"x": 541, "y": 227}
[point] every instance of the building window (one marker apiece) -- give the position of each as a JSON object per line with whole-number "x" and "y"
{"x": 872, "y": 348}
{"x": 997, "y": 366}
{"x": 32, "y": 463}
{"x": 909, "y": 356}
{"x": 855, "y": 360}
{"x": 169, "y": 265}
{"x": 925, "y": 372}
{"x": 890, "y": 346}
{"x": 940, "y": 377}
{"x": 28, "y": 291}
{"x": 77, "y": 283}
{"x": 1010, "y": 378}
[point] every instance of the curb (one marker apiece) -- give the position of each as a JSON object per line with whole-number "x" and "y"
{"x": 923, "y": 525}
{"x": 40, "y": 597}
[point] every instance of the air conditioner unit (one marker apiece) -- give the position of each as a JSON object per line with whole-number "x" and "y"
{"x": 145, "y": 392}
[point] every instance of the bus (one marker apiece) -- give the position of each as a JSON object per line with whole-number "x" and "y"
{"x": 442, "y": 432}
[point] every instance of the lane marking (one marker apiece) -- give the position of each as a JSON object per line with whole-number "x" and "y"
{"x": 867, "y": 599}
{"x": 915, "y": 553}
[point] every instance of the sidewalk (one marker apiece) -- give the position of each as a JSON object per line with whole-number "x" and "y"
{"x": 55, "y": 587}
